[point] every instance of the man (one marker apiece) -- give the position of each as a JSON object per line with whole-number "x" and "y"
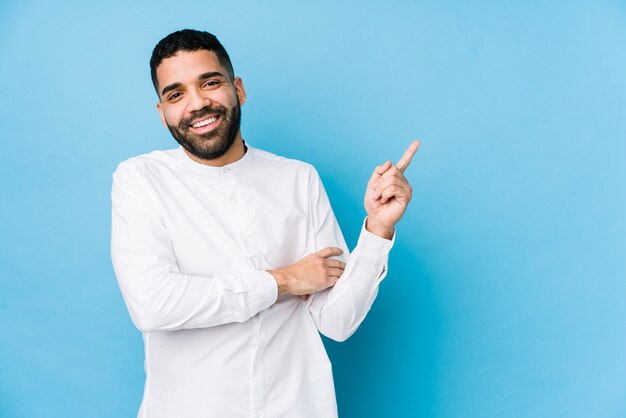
{"x": 226, "y": 255}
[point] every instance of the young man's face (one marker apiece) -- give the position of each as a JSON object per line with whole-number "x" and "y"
{"x": 199, "y": 103}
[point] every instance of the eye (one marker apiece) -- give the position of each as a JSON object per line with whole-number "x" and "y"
{"x": 174, "y": 96}
{"x": 211, "y": 83}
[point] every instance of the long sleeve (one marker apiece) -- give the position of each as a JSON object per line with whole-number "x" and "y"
{"x": 338, "y": 311}
{"x": 159, "y": 297}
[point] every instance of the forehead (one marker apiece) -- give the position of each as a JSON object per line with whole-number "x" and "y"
{"x": 186, "y": 66}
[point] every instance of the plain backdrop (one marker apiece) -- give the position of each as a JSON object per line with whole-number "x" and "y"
{"x": 507, "y": 284}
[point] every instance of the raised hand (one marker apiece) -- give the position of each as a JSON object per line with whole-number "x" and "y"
{"x": 388, "y": 194}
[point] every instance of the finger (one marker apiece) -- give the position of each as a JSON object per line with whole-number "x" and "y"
{"x": 335, "y": 272}
{"x": 330, "y": 252}
{"x": 332, "y": 280}
{"x": 379, "y": 170}
{"x": 393, "y": 172}
{"x": 398, "y": 180}
{"x": 398, "y": 191}
{"x": 388, "y": 193}
{"x": 337, "y": 264}
{"x": 392, "y": 176}
{"x": 383, "y": 180}
{"x": 382, "y": 168}
{"x": 405, "y": 160}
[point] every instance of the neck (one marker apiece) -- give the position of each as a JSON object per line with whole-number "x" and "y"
{"x": 234, "y": 153}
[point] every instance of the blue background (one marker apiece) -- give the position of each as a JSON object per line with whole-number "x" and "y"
{"x": 505, "y": 296}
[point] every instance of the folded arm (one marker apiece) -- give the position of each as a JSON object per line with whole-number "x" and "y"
{"x": 158, "y": 296}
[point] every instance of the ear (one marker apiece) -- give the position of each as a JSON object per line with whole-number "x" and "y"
{"x": 241, "y": 92}
{"x": 160, "y": 109}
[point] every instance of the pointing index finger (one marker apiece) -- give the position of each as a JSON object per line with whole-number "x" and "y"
{"x": 405, "y": 160}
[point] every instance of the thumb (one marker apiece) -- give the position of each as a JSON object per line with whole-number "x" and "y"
{"x": 380, "y": 170}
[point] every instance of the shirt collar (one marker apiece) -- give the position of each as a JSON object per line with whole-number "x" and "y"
{"x": 187, "y": 164}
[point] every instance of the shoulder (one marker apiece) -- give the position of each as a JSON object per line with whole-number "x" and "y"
{"x": 282, "y": 165}
{"x": 141, "y": 165}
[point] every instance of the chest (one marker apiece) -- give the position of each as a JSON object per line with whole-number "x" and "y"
{"x": 237, "y": 222}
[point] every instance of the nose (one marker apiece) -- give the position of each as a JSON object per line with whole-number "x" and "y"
{"x": 197, "y": 100}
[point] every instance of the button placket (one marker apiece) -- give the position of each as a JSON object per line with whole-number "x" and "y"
{"x": 229, "y": 183}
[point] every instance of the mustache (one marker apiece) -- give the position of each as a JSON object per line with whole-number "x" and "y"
{"x": 199, "y": 114}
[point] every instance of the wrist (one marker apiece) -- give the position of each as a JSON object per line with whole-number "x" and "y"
{"x": 281, "y": 280}
{"x": 377, "y": 229}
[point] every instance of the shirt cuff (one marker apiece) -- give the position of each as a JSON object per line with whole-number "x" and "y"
{"x": 373, "y": 247}
{"x": 263, "y": 290}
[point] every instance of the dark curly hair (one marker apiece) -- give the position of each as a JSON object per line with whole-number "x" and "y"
{"x": 188, "y": 40}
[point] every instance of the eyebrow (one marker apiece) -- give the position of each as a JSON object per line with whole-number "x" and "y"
{"x": 201, "y": 77}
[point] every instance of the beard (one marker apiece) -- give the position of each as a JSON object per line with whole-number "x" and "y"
{"x": 213, "y": 144}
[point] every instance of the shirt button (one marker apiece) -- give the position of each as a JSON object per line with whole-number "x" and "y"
{"x": 226, "y": 170}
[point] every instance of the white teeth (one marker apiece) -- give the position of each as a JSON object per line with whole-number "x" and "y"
{"x": 204, "y": 122}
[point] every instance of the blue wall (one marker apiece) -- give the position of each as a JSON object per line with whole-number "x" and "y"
{"x": 505, "y": 296}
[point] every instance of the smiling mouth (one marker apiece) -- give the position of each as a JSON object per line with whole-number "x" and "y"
{"x": 205, "y": 124}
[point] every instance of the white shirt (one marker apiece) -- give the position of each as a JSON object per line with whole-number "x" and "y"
{"x": 190, "y": 246}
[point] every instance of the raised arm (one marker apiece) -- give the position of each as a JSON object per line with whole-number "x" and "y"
{"x": 338, "y": 311}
